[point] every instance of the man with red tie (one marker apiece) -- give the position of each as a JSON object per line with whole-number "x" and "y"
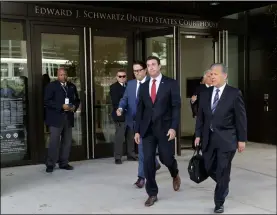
{"x": 157, "y": 120}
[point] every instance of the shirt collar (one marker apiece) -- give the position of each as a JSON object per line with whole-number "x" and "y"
{"x": 158, "y": 78}
{"x": 220, "y": 88}
{"x": 142, "y": 81}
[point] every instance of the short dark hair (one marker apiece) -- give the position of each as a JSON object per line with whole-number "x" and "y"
{"x": 141, "y": 63}
{"x": 154, "y": 58}
{"x": 121, "y": 70}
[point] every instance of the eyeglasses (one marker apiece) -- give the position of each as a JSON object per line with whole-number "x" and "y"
{"x": 138, "y": 70}
{"x": 121, "y": 76}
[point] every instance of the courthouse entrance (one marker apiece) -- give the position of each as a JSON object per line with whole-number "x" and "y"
{"x": 40, "y": 38}
{"x": 92, "y": 58}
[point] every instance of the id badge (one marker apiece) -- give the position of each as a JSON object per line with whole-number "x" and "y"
{"x": 66, "y": 101}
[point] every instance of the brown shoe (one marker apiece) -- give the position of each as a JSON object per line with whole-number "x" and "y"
{"x": 150, "y": 201}
{"x": 176, "y": 183}
{"x": 140, "y": 183}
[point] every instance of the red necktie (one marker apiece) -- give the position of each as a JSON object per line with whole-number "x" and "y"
{"x": 153, "y": 91}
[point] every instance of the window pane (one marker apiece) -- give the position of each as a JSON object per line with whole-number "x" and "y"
{"x": 163, "y": 48}
{"x": 110, "y": 54}
{"x": 14, "y": 79}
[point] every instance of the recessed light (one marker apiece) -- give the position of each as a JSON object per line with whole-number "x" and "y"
{"x": 214, "y": 3}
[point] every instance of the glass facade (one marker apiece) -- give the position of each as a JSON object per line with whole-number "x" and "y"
{"x": 14, "y": 93}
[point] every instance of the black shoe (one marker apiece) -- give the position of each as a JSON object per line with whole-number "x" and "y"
{"x": 219, "y": 209}
{"x": 158, "y": 167}
{"x": 118, "y": 161}
{"x": 67, "y": 167}
{"x": 129, "y": 158}
{"x": 49, "y": 169}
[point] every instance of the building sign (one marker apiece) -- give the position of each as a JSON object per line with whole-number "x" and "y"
{"x": 120, "y": 17}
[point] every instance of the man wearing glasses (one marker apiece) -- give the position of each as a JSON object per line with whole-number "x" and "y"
{"x": 128, "y": 104}
{"x": 116, "y": 92}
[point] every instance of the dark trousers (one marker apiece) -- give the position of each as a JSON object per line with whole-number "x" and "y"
{"x": 123, "y": 133}
{"x": 218, "y": 166}
{"x": 166, "y": 155}
{"x": 59, "y": 144}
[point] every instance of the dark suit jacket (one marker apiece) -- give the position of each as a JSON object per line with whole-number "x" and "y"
{"x": 116, "y": 93}
{"x": 195, "y": 105}
{"x": 164, "y": 113}
{"x": 228, "y": 121}
{"x": 54, "y": 98}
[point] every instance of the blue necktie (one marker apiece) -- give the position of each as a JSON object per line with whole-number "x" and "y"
{"x": 216, "y": 99}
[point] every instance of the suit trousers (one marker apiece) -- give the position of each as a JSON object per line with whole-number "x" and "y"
{"x": 141, "y": 159}
{"x": 121, "y": 132}
{"x": 151, "y": 140}
{"x": 60, "y": 143}
{"x": 218, "y": 166}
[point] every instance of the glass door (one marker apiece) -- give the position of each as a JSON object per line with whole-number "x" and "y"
{"x": 109, "y": 52}
{"x": 226, "y": 48}
{"x": 57, "y": 47}
{"x": 160, "y": 43}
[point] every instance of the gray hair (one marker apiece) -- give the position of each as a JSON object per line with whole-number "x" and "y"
{"x": 224, "y": 68}
{"x": 205, "y": 73}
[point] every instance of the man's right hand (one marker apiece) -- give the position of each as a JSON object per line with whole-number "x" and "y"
{"x": 137, "y": 138}
{"x": 193, "y": 99}
{"x": 66, "y": 107}
{"x": 197, "y": 141}
{"x": 119, "y": 112}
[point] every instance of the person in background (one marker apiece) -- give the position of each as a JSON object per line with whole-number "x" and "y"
{"x": 128, "y": 104}
{"x": 117, "y": 90}
{"x": 61, "y": 101}
{"x": 221, "y": 125}
{"x": 205, "y": 83}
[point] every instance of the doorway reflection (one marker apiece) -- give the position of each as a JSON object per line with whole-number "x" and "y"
{"x": 110, "y": 54}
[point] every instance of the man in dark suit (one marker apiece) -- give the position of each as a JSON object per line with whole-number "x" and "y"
{"x": 128, "y": 103}
{"x": 204, "y": 85}
{"x": 194, "y": 101}
{"x": 157, "y": 120}
{"x": 116, "y": 93}
{"x": 61, "y": 100}
{"x": 222, "y": 128}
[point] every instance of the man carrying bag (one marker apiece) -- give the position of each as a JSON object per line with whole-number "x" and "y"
{"x": 196, "y": 167}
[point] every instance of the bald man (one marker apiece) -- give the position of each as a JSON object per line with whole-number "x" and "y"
{"x": 61, "y": 100}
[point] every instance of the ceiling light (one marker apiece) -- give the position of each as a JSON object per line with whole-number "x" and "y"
{"x": 190, "y": 36}
{"x": 214, "y": 3}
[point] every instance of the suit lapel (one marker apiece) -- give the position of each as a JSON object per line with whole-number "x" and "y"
{"x": 210, "y": 98}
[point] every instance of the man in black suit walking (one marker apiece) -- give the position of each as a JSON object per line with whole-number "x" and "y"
{"x": 221, "y": 126}
{"x": 117, "y": 90}
{"x": 157, "y": 120}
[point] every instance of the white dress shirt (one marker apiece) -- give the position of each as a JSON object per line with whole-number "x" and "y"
{"x": 142, "y": 81}
{"x": 219, "y": 93}
{"x": 158, "y": 81}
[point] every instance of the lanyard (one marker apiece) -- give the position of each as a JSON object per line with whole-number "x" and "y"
{"x": 64, "y": 89}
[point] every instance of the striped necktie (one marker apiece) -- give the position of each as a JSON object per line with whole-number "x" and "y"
{"x": 216, "y": 99}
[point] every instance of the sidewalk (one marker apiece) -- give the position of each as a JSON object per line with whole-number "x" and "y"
{"x": 101, "y": 187}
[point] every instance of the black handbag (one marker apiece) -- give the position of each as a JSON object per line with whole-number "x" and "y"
{"x": 196, "y": 168}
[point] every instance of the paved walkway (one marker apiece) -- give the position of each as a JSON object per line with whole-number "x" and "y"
{"x": 99, "y": 186}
